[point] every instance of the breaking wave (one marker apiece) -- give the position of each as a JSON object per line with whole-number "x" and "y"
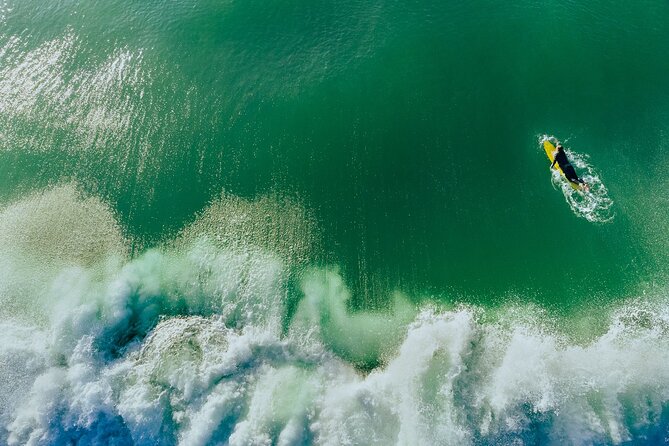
{"x": 195, "y": 343}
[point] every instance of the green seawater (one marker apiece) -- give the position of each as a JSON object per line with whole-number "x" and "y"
{"x": 409, "y": 129}
{"x": 392, "y": 143}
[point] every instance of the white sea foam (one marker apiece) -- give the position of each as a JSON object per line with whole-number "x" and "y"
{"x": 193, "y": 345}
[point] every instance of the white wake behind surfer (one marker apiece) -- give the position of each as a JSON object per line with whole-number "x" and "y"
{"x": 568, "y": 170}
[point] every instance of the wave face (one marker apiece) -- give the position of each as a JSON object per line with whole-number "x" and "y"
{"x": 194, "y": 344}
{"x": 329, "y": 223}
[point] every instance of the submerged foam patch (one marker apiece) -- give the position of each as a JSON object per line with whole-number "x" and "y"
{"x": 46, "y": 233}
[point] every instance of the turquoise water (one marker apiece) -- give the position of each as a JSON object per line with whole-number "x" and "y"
{"x": 332, "y": 223}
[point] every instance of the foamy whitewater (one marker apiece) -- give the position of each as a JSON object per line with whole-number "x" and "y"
{"x": 195, "y": 343}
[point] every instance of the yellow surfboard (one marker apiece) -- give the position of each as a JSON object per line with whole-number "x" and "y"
{"x": 550, "y": 152}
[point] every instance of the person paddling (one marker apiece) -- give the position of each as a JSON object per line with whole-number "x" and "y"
{"x": 567, "y": 168}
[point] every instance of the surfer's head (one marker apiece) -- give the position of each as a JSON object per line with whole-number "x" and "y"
{"x": 559, "y": 147}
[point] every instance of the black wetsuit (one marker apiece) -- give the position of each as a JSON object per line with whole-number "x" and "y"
{"x": 567, "y": 168}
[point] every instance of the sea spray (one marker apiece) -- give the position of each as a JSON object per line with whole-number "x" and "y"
{"x": 188, "y": 345}
{"x": 453, "y": 380}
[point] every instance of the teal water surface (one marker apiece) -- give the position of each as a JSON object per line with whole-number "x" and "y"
{"x": 409, "y": 129}
{"x": 367, "y": 171}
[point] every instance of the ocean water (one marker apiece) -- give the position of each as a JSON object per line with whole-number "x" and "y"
{"x": 333, "y": 223}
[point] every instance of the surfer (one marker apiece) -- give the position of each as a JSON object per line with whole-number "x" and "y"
{"x": 567, "y": 168}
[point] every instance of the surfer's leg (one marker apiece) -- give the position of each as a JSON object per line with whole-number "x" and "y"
{"x": 570, "y": 174}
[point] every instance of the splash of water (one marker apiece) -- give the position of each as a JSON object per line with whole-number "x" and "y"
{"x": 594, "y": 205}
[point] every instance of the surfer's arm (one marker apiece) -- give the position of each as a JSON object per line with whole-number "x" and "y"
{"x": 553, "y": 163}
